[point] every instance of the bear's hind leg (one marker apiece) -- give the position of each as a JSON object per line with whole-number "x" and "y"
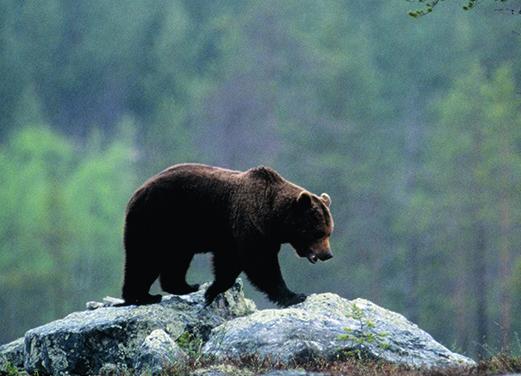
{"x": 226, "y": 270}
{"x": 137, "y": 281}
{"x": 173, "y": 275}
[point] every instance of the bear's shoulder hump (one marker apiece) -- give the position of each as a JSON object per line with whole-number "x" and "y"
{"x": 265, "y": 173}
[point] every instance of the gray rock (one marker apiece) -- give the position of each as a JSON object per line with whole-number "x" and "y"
{"x": 94, "y": 305}
{"x": 159, "y": 353}
{"x": 293, "y": 372}
{"x": 222, "y": 370}
{"x": 12, "y": 355}
{"x": 108, "y": 301}
{"x": 110, "y": 369}
{"x": 83, "y": 342}
{"x": 328, "y": 327}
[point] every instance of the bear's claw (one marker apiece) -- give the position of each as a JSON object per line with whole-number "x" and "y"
{"x": 292, "y": 300}
{"x": 148, "y": 299}
{"x": 187, "y": 289}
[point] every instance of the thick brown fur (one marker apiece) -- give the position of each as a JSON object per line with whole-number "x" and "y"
{"x": 242, "y": 218}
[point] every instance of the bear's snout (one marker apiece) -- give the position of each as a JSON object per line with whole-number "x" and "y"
{"x": 324, "y": 249}
{"x": 325, "y": 255}
{"x": 313, "y": 257}
{"x": 320, "y": 251}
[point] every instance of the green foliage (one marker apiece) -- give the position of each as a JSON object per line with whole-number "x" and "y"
{"x": 364, "y": 335}
{"x": 428, "y": 6}
{"x": 10, "y": 369}
{"x": 58, "y": 239}
{"x": 478, "y": 137}
{"x": 190, "y": 344}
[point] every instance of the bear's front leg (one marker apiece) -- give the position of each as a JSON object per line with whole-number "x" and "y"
{"x": 263, "y": 270}
{"x": 226, "y": 269}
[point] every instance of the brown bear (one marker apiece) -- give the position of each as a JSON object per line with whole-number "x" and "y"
{"x": 242, "y": 218}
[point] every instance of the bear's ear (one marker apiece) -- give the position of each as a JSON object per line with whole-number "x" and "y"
{"x": 325, "y": 197}
{"x": 304, "y": 199}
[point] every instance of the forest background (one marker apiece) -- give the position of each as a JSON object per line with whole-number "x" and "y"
{"x": 412, "y": 125}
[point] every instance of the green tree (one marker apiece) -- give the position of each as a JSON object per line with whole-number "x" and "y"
{"x": 95, "y": 195}
{"x": 32, "y": 232}
{"x": 61, "y": 224}
{"x": 475, "y": 170}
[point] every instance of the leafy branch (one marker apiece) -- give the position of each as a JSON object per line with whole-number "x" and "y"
{"x": 428, "y": 6}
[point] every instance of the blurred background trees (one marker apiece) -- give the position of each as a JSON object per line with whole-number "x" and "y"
{"x": 413, "y": 126}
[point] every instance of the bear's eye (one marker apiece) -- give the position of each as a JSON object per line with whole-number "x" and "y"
{"x": 313, "y": 234}
{"x": 319, "y": 234}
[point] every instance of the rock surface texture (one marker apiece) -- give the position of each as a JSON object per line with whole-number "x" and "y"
{"x": 12, "y": 355}
{"x": 154, "y": 338}
{"x": 157, "y": 353}
{"x": 328, "y": 327}
{"x": 83, "y": 342}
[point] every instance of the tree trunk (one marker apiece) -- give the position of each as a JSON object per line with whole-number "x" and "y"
{"x": 413, "y": 147}
{"x": 413, "y": 249}
{"x": 479, "y": 278}
{"x": 480, "y": 287}
{"x": 462, "y": 308}
{"x": 505, "y": 256}
{"x": 505, "y": 303}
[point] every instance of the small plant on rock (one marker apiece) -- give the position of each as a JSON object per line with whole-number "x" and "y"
{"x": 10, "y": 369}
{"x": 191, "y": 344}
{"x": 364, "y": 336}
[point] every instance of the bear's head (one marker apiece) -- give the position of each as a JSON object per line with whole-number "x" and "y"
{"x": 312, "y": 225}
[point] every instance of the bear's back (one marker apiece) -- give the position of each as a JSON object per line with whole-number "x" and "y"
{"x": 195, "y": 199}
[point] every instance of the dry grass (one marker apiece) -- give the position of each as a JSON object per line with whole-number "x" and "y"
{"x": 497, "y": 365}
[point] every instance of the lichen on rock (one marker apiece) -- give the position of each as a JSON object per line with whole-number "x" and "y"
{"x": 157, "y": 353}
{"x": 11, "y": 355}
{"x": 83, "y": 342}
{"x": 316, "y": 330}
